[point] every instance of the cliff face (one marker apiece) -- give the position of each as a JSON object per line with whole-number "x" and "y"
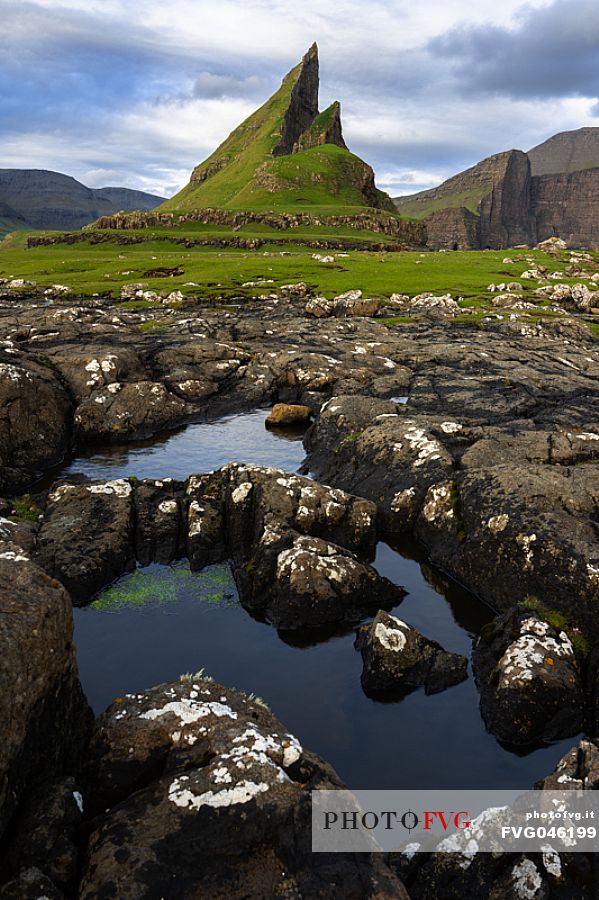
{"x": 303, "y": 105}
{"x": 567, "y": 205}
{"x": 51, "y": 200}
{"x": 505, "y": 214}
{"x": 500, "y": 203}
{"x": 325, "y": 129}
{"x": 453, "y": 229}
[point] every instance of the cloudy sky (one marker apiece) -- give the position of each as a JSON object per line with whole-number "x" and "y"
{"x": 135, "y": 94}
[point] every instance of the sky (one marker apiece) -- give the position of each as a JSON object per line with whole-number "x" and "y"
{"x": 136, "y": 94}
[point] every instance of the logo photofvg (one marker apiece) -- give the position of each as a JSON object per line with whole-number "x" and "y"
{"x": 463, "y": 822}
{"x": 430, "y": 820}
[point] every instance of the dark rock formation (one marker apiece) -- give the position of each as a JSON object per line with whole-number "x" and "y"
{"x": 44, "y": 718}
{"x": 44, "y": 834}
{"x": 51, "y": 200}
{"x": 505, "y": 214}
{"x": 325, "y": 129}
{"x": 303, "y": 104}
{"x": 528, "y": 679}
{"x": 202, "y": 792}
{"x": 398, "y": 657}
{"x": 35, "y": 419}
{"x": 453, "y": 229}
{"x": 86, "y": 537}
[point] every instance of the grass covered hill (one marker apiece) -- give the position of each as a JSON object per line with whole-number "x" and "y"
{"x": 286, "y": 156}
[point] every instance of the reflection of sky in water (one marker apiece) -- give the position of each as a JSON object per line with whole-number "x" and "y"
{"x": 437, "y": 741}
{"x": 196, "y": 448}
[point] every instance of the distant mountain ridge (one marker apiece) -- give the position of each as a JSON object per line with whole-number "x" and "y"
{"x": 516, "y": 198}
{"x": 567, "y": 152}
{"x": 38, "y": 198}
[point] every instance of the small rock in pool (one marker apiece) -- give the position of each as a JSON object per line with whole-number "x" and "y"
{"x": 397, "y": 656}
{"x": 288, "y": 414}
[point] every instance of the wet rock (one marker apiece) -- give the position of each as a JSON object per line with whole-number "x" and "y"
{"x": 298, "y": 581}
{"x": 159, "y": 521}
{"x": 374, "y": 447}
{"x": 35, "y": 420}
{"x": 43, "y": 834}
{"x": 135, "y": 410}
{"x": 44, "y": 717}
{"x": 86, "y": 538}
{"x": 208, "y": 795}
{"x": 529, "y": 680}
{"x": 205, "y": 540}
{"x": 397, "y": 656}
{"x": 257, "y": 495}
{"x": 289, "y": 414}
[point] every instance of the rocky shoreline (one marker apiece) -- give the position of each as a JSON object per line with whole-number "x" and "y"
{"x": 491, "y": 464}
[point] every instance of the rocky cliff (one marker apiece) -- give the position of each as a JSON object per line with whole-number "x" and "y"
{"x": 567, "y": 205}
{"x": 43, "y": 199}
{"x": 505, "y": 200}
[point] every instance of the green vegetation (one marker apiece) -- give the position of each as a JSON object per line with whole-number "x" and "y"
{"x": 167, "y": 584}
{"x": 25, "y": 509}
{"x": 219, "y": 274}
{"x": 153, "y": 325}
{"x": 560, "y": 622}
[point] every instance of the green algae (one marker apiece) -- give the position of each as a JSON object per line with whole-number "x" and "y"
{"x": 163, "y": 585}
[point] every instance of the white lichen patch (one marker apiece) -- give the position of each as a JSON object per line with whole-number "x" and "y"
{"x": 438, "y": 503}
{"x": 525, "y": 657}
{"x": 403, "y": 500}
{"x": 14, "y": 556}
{"x": 426, "y": 449}
{"x": 188, "y": 711}
{"x": 497, "y": 524}
{"x": 119, "y": 487}
{"x": 243, "y": 792}
{"x": 14, "y": 373}
{"x": 451, "y": 427}
{"x": 241, "y": 493}
{"x": 526, "y": 541}
{"x": 169, "y": 507}
{"x": 552, "y": 861}
{"x": 527, "y": 880}
{"x": 394, "y": 638}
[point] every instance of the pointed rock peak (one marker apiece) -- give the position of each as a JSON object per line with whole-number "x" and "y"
{"x": 325, "y": 129}
{"x": 303, "y": 102}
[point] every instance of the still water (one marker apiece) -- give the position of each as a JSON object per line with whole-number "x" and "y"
{"x": 162, "y": 621}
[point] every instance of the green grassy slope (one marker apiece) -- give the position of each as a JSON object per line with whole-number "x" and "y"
{"x": 243, "y": 173}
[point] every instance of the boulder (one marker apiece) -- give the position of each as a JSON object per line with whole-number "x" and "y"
{"x": 298, "y": 581}
{"x": 86, "y": 538}
{"x": 397, "y": 656}
{"x": 35, "y": 421}
{"x": 529, "y": 680}
{"x": 289, "y": 414}
{"x": 203, "y": 793}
